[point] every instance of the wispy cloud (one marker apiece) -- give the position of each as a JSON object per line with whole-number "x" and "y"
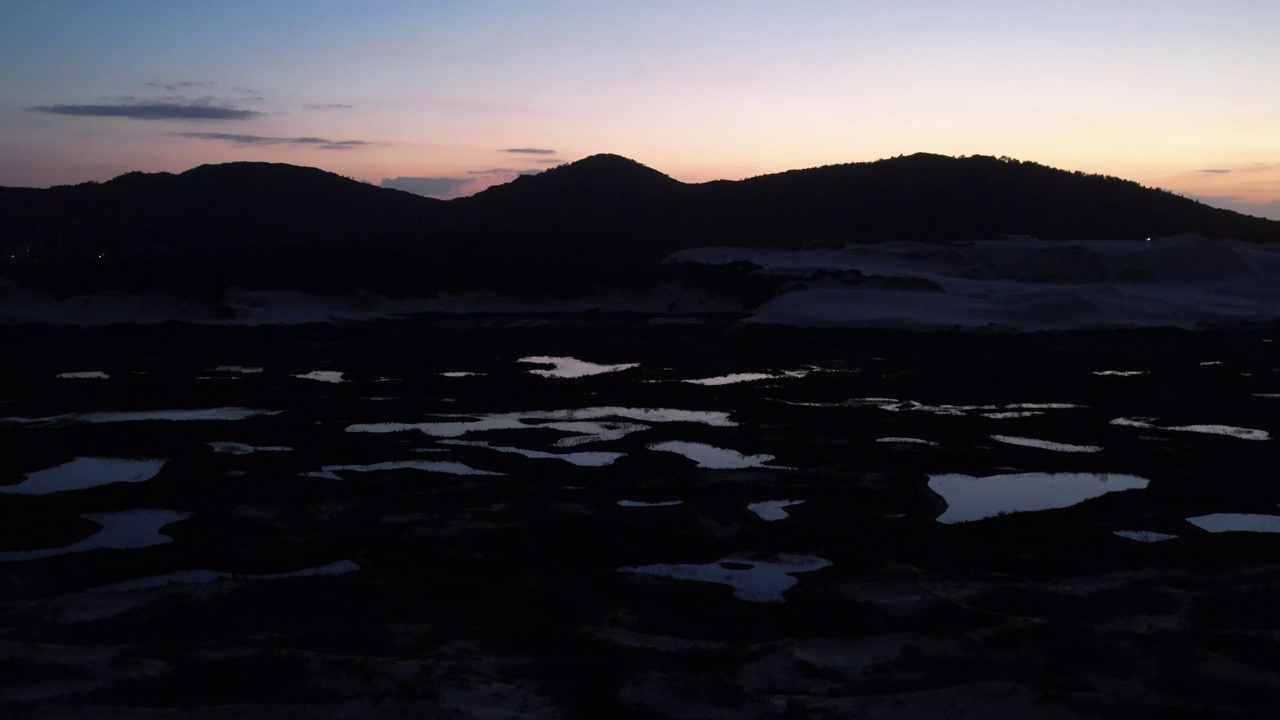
{"x": 329, "y": 106}
{"x": 183, "y": 85}
{"x": 438, "y": 187}
{"x": 547, "y": 161}
{"x": 505, "y": 172}
{"x": 529, "y": 151}
{"x": 238, "y": 139}
{"x": 144, "y": 110}
{"x": 1215, "y": 171}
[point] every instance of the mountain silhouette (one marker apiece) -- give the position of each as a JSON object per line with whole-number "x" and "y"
{"x": 603, "y": 220}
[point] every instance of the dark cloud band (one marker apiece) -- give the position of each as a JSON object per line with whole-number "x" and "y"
{"x": 529, "y": 151}
{"x": 153, "y": 111}
{"x": 238, "y": 139}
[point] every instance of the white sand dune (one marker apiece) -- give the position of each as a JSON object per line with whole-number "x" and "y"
{"x": 1019, "y": 284}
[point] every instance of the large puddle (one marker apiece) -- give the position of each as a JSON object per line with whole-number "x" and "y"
{"x": 1045, "y": 444}
{"x": 330, "y": 472}
{"x": 1010, "y": 410}
{"x": 1237, "y": 522}
{"x": 235, "y": 448}
{"x": 1228, "y": 430}
{"x": 238, "y": 369}
{"x": 85, "y": 472}
{"x": 974, "y": 498}
{"x": 752, "y": 579}
{"x": 120, "y": 530}
{"x": 93, "y": 418}
{"x": 584, "y": 425}
{"x": 328, "y": 376}
{"x": 582, "y": 459}
{"x": 569, "y": 367}
{"x": 189, "y": 577}
{"x": 772, "y": 510}
{"x": 711, "y": 457}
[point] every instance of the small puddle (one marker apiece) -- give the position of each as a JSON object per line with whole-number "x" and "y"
{"x": 120, "y": 531}
{"x": 752, "y": 579}
{"x": 238, "y": 369}
{"x": 582, "y": 459}
{"x": 190, "y": 577}
{"x": 906, "y": 441}
{"x": 84, "y": 375}
{"x": 330, "y": 472}
{"x": 569, "y": 367}
{"x": 1237, "y": 522}
{"x": 771, "y": 510}
{"x": 975, "y": 498}
{"x": 642, "y": 504}
{"x": 236, "y": 448}
{"x": 460, "y": 374}
{"x": 711, "y": 457}
{"x": 1045, "y": 444}
{"x": 1146, "y": 536}
{"x": 1120, "y": 373}
{"x": 328, "y": 376}
{"x": 85, "y": 472}
{"x": 1228, "y": 430}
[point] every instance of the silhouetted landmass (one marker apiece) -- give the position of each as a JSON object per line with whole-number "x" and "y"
{"x": 604, "y": 220}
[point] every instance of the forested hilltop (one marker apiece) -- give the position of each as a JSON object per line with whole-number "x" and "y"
{"x": 602, "y": 221}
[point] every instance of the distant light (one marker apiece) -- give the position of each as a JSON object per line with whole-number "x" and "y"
{"x": 1148, "y": 239}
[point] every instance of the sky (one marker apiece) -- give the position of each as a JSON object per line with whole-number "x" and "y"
{"x": 446, "y": 98}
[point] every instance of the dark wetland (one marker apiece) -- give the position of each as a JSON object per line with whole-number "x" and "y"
{"x": 540, "y": 517}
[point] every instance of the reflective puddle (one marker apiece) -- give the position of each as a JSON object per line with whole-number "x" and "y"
{"x": 238, "y": 369}
{"x": 642, "y": 504}
{"x": 1011, "y": 410}
{"x": 93, "y": 418}
{"x": 733, "y": 378}
{"x": 906, "y": 441}
{"x": 236, "y": 448}
{"x": 85, "y": 473}
{"x": 583, "y": 459}
{"x": 569, "y": 367}
{"x": 711, "y": 457}
{"x": 120, "y": 530}
{"x": 585, "y": 425}
{"x": 1146, "y": 536}
{"x": 974, "y": 498}
{"x": 330, "y": 472}
{"x": 190, "y": 577}
{"x": 752, "y": 579}
{"x": 1228, "y": 430}
{"x": 328, "y": 376}
{"x": 460, "y": 374}
{"x": 771, "y": 510}
{"x": 84, "y": 375}
{"x": 1237, "y": 522}
{"x": 1120, "y": 373}
{"x": 1045, "y": 444}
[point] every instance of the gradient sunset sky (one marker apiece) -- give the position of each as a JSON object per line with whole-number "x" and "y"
{"x": 449, "y": 97}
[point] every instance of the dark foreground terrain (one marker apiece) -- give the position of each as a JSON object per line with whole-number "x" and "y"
{"x": 427, "y": 593}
